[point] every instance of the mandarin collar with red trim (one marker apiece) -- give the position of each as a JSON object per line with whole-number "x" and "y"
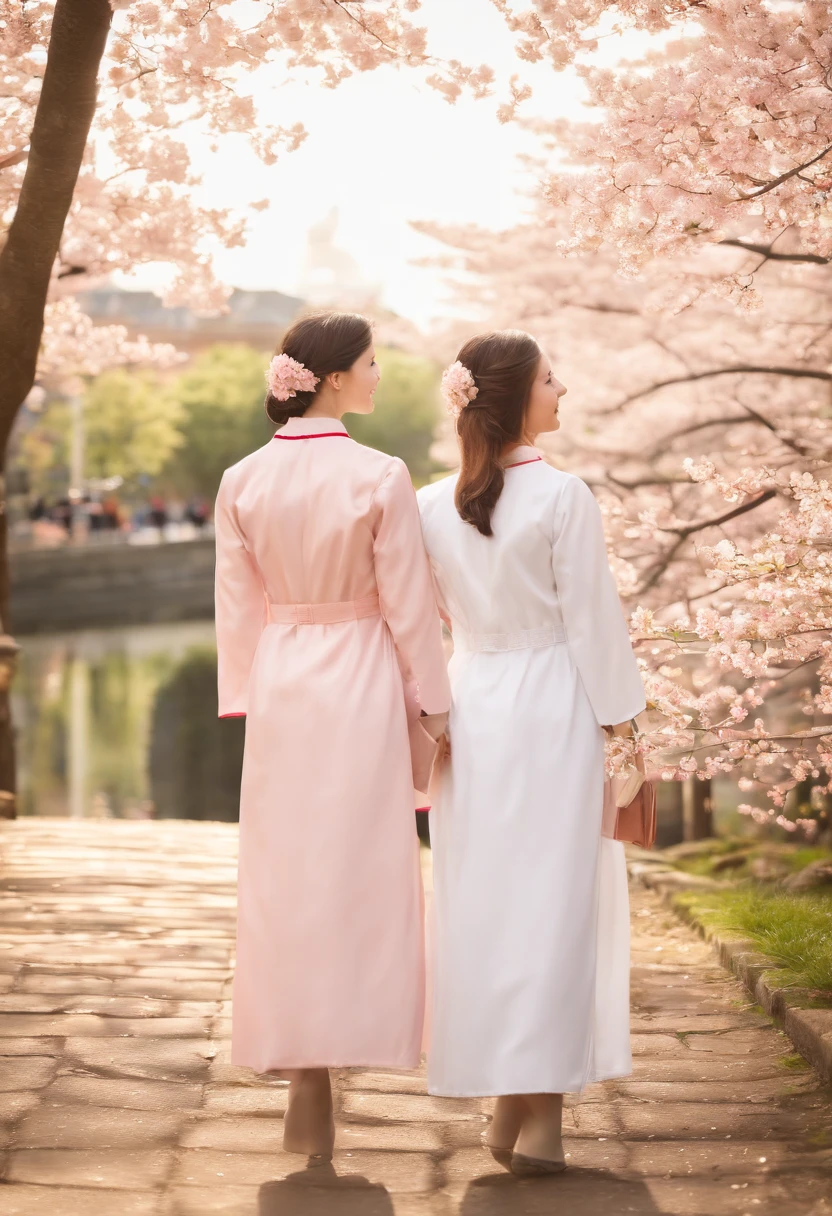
{"x": 312, "y": 428}
{"x": 523, "y": 454}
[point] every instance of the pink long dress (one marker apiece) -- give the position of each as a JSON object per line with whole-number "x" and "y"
{"x": 325, "y": 614}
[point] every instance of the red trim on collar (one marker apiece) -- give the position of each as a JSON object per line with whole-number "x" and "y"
{"x": 316, "y": 435}
{"x": 534, "y": 460}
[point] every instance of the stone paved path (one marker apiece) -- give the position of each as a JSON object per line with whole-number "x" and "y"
{"x": 117, "y": 1097}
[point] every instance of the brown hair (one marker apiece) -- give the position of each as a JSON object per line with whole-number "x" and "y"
{"x": 504, "y": 366}
{"x": 324, "y": 342}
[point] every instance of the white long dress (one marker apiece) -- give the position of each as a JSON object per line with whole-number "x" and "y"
{"x": 531, "y": 924}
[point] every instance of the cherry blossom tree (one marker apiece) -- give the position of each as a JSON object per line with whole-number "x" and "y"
{"x": 705, "y": 430}
{"x": 137, "y": 75}
{"x": 702, "y": 175}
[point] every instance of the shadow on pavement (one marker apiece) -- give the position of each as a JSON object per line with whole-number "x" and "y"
{"x": 319, "y": 1191}
{"x": 578, "y": 1192}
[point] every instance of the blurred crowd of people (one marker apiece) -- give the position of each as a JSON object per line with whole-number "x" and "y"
{"x": 84, "y": 517}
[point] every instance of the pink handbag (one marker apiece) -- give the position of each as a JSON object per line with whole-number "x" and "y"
{"x": 635, "y": 822}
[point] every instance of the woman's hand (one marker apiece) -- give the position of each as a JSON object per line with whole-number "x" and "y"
{"x": 434, "y": 724}
{"x": 627, "y": 730}
{"x": 624, "y": 730}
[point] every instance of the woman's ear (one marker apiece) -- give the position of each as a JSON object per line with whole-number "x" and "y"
{"x": 334, "y": 379}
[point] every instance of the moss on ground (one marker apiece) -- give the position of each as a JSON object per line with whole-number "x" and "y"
{"x": 794, "y": 1062}
{"x": 731, "y": 857}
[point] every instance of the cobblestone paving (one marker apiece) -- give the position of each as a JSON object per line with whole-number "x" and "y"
{"x": 117, "y": 1097}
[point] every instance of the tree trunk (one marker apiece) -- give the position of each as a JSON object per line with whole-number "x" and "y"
{"x": 59, "y": 135}
{"x": 670, "y": 820}
{"x": 696, "y": 809}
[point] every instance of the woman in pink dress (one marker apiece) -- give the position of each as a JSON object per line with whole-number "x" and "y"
{"x": 329, "y": 642}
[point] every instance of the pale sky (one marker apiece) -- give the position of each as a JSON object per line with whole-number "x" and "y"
{"x": 385, "y": 150}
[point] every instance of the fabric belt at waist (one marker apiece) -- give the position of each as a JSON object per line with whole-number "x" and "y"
{"x": 519, "y": 639}
{"x": 323, "y": 614}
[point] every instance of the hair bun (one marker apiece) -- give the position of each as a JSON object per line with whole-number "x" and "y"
{"x": 314, "y": 347}
{"x": 279, "y": 412}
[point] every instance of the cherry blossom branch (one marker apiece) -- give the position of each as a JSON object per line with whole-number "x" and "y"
{"x": 660, "y": 566}
{"x": 638, "y": 482}
{"x": 784, "y": 177}
{"x": 662, "y": 444}
{"x": 13, "y": 158}
{"x": 756, "y": 416}
{"x": 744, "y": 369}
{"x": 607, "y": 308}
{"x": 362, "y": 25}
{"x": 772, "y": 255}
{"x": 815, "y": 732}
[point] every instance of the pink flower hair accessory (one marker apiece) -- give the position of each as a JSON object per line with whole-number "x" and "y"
{"x": 458, "y": 388}
{"x": 286, "y": 378}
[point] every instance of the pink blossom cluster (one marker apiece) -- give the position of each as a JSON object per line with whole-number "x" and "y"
{"x": 458, "y": 388}
{"x": 780, "y": 623}
{"x": 286, "y": 378}
{"x": 721, "y": 129}
{"x": 74, "y": 348}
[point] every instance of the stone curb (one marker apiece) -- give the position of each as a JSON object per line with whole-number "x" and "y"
{"x": 810, "y": 1030}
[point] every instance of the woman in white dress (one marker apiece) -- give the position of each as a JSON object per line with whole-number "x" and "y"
{"x": 531, "y": 949}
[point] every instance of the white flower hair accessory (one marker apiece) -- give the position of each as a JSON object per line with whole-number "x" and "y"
{"x": 458, "y": 388}
{"x": 286, "y": 378}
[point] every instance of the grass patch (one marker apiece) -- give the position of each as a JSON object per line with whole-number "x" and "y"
{"x": 799, "y": 858}
{"x": 795, "y": 931}
{"x": 739, "y": 852}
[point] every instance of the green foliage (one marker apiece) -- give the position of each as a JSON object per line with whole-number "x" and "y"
{"x": 800, "y": 858}
{"x": 121, "y": 693}
{"x": 131, "y": 428}
{"x": 195, "y": 759}
{"x": 44, "y": 450}
{"x": 795, "y": 931}
{"x": 42, "y": 698}
{"x": 700, "y": 856}
{"x": 117, "y": 692}
{"x": 406, "y": 413}
{"x": 186, "y": 432}
{"x": 220, "y": 397}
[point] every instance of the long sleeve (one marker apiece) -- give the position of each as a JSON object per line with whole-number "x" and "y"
{"x": 595, "y": 627}
{"x": 406, "y": 589}
{"x": 442, "y": 607}
{"x": 240, "y": 608}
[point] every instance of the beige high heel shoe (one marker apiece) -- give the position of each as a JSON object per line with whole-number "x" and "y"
{"x": 530, "y": 1165}
{"x": 534, "y": 1167}
{"x": 501, "y": 1155}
